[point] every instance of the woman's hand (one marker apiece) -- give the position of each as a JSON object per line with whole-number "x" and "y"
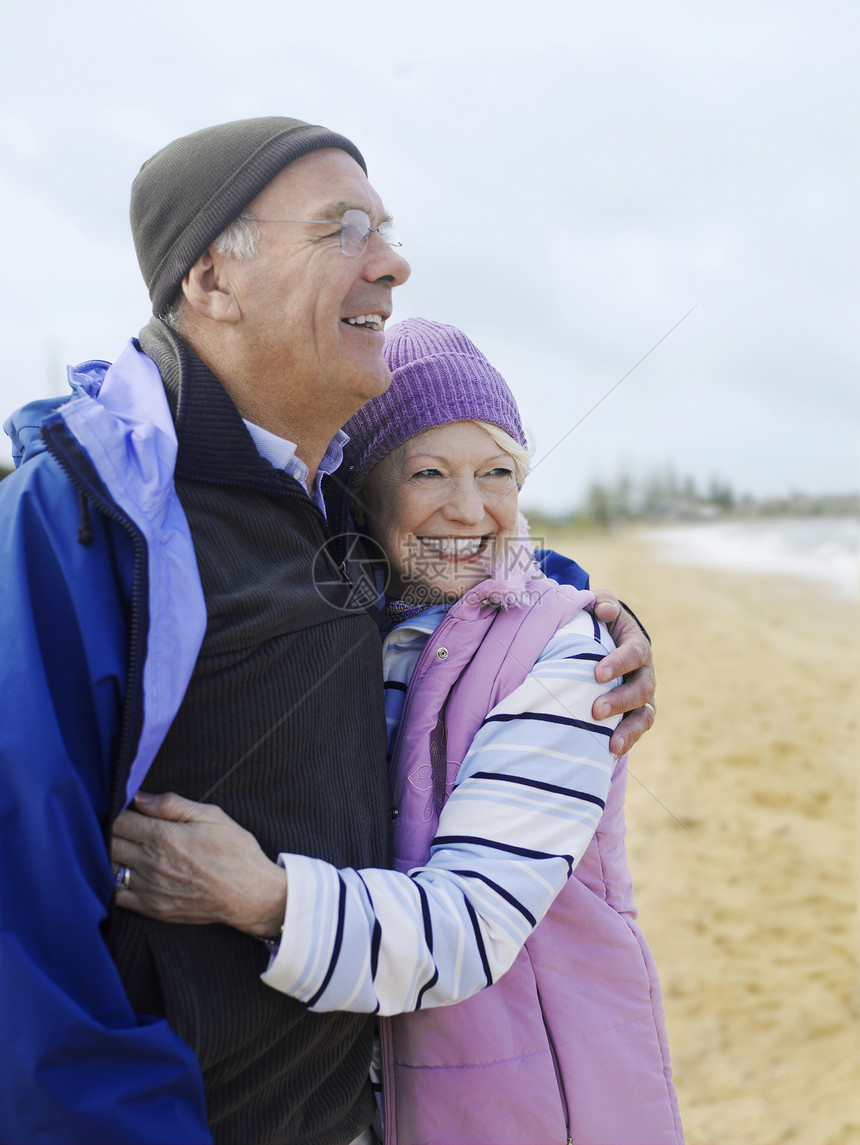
{"x": 190, "y": 862}
{"x": 631, "y": 659}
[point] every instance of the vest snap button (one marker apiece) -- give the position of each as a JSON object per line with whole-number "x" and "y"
{"x": 441, "y": 653}
{"x": 394, "y": 812}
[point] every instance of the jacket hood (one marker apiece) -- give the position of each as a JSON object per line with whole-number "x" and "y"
{"x": 24, "y": 426}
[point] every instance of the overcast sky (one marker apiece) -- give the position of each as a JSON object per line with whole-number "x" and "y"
{"x": 569, "y": 180}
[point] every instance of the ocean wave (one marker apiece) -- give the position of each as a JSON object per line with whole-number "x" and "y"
{"x": 822, "y": 549}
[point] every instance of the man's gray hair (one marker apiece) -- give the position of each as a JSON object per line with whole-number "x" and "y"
{"x": 238, "y": 240}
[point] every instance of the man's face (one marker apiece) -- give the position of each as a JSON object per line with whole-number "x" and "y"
{"x": 296, "y": 298}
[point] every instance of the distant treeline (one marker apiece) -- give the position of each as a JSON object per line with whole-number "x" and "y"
{"x": 666, "y": 496}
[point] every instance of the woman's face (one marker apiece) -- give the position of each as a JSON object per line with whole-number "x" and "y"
{"x": 440, "y": 505}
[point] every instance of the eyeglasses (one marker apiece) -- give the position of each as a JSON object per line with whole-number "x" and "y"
{"x": 354, "y": 229}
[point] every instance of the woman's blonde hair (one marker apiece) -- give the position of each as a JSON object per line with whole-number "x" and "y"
{"x": 520, "y": 455}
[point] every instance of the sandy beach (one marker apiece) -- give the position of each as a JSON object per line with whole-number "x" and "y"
{"x": 742, "y": 833}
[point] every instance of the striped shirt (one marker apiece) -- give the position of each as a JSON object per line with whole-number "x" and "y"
{"x": 527, "y": 800}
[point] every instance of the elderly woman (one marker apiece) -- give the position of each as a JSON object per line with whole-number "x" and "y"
{"x": 519, "y": 997}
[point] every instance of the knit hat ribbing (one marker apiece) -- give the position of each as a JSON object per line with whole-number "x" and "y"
{"x": 438, "y": 376}
{"x": 187, "y": 193}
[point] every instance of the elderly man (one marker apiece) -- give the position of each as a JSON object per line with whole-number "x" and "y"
{"x": 162, "y": 622}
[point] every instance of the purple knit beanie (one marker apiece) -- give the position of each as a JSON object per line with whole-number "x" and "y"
{"x": 438, "y": 376}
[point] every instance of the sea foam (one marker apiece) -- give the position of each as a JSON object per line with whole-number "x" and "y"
{"x": 822, "y": 549}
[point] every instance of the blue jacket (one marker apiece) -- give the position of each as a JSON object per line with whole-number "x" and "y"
{"x": 103, "y": 617}
{"x": 99, "y": 641}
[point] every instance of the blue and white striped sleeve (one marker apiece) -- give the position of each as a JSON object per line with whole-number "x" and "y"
{"x": 528, "y": 798}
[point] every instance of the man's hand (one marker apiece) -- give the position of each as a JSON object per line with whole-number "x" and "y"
{"x": 631, "y": 659}
{"x": 190, "y": 862}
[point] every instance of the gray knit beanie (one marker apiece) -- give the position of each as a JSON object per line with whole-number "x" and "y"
{"x": 187, "y": 193}
{"x": 438, "y": 376}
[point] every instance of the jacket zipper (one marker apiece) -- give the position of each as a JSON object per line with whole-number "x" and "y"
{"x": 556, "y": 1066}
{"x": 389, "y": 1100}
{"x": 63, "y": 453}
{"x": 416, "y": 671}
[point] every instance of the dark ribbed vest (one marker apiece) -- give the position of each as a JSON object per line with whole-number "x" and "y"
{"x": 282, "y": 726}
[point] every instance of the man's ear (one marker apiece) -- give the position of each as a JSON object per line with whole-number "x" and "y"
{"x": 207, "y": 289}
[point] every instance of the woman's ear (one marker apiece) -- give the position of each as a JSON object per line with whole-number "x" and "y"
{"x": 207, "y": 291}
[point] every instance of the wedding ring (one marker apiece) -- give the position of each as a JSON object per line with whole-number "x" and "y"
{"x": 122, "y": 877}
{"x": 653, "y": 710}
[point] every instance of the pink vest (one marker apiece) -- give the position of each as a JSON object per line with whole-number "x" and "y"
{"x": 570, "y": 1044}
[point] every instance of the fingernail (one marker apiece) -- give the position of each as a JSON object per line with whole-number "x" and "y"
{"x": 620, "y": 751}
{"x": 143, "y": 797}
{"x": 603, "y": 674}
{"x": 603, "y": 710}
